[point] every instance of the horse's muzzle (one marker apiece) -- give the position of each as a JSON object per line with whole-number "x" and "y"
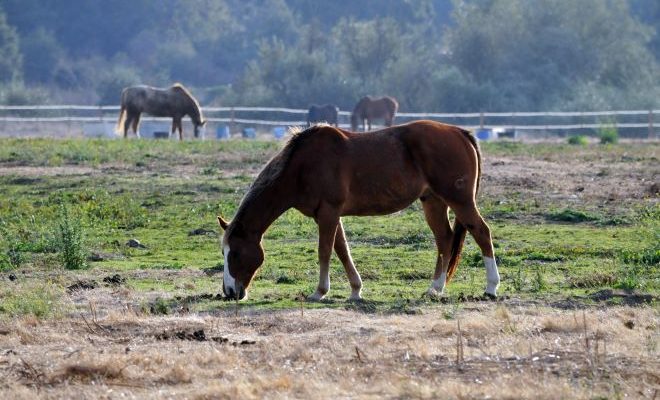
{"x": 231, "y": 294}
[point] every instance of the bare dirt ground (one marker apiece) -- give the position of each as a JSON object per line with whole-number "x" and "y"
{"x": 485, "y": 350}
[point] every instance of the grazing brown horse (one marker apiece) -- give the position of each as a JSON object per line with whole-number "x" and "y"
{"x": 326, "y": 173}
{"x": 370, "y": 108}
{"x": 327, "y": 113}
{"x": 175, "y": 101}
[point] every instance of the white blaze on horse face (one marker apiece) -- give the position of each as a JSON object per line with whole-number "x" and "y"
{"x": 228, "y": 281}
{"x": 492, "y": 276}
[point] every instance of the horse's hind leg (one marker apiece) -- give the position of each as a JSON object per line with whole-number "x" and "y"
{"x": 136, "y": 125}
{"x": 469, "y": 216}
{"x": 344, "y": 254}
{"x": 435, "y": 212}
{"x": 127, "y": 122}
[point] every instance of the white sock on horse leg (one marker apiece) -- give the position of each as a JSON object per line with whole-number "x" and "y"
{"x": 438, "y": 285}
{"x": 492, "y": 276}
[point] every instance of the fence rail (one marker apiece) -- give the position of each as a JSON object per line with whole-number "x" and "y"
{"x": 278, "y": 116}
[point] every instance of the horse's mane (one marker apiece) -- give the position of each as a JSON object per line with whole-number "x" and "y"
{"x": 276, "y": 166}
{"x": 178, "y": 87}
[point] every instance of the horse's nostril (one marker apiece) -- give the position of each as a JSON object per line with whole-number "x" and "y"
{"x": 229, "y": 292}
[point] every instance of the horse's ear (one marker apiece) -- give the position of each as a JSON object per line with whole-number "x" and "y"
{"x": 223, "y": 224}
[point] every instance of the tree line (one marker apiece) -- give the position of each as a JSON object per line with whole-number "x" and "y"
{"x": 432, "y": 55}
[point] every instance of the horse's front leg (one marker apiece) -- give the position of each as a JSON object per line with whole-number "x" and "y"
{"x": 344, "y": 254}
{"x": 173, "y": 130}
{"x": 180, "y": 126}
{"x": 327, "y": 220}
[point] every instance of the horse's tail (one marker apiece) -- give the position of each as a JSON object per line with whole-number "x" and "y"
{"x": 120, "y": 122}
{"x": 122, "y": 113}
{"x": 459, "y": 228}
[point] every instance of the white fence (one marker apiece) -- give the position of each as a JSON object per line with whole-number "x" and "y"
{"x": 639, "y": 123}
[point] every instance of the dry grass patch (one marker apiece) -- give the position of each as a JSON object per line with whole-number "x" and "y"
{"x": 508, "y": 351}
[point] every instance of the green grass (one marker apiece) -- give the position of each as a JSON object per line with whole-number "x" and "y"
{"x": 160, "y": 191}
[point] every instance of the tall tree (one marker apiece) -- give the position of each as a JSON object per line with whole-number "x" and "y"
{"x": 535, "y": 53}
{"x": 10, "y": 55}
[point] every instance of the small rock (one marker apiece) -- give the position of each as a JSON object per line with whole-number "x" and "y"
{"x": 82, "y": 285}
{"x": 630, "y": 324}
{"x": 114, "y": 280}
{"x": 201, "y": 231}
{"x": 12, "y": 277}
{"x": 96, "y": 257}
{"x": 135, "y": 244}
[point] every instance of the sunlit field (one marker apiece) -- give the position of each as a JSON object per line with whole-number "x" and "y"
{"x": 112, "y": 271}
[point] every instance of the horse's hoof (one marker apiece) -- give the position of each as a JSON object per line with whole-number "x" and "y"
{"x": 355, "y": 299}
{"x": 489, "y": 296}
{"x": 315, "y": 297}
{"x": 433, "y": 293}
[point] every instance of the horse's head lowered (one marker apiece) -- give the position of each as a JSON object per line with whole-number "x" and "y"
{"x": 243, "y": 256}
{"x": 198, "y": 126}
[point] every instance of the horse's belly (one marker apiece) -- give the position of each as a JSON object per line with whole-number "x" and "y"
{"x": 383, "y": 197}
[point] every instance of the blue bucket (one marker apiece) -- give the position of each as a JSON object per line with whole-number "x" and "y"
{"x": 485, "y": 134}
{"x": 279, "y": 132}
{"x": 249, "y": 133}
{"x": 222, "y": 132}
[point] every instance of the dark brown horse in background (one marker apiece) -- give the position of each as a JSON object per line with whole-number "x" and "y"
{"x": 328, "y": 113}
{"x": 175, "y": 101}
{"x": 371, "y": 108}
{"x": 326, "y": 173}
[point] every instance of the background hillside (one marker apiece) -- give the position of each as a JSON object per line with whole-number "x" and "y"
{"x": 433, "y": 55}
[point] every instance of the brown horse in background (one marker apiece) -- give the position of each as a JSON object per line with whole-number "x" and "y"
{"x": 370, "y": 108}
{"x": 326, "y": 173}
{"x": 175, "y": 101}
{"x": 328, "y": 113}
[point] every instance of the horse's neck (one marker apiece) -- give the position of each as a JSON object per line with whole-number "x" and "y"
{"x": 262, "y": 210}
{"x": 194, "y": 112}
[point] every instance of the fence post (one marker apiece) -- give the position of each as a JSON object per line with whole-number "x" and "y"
{"x": 232, "y": 124}
{"x": 481, "y": 120}
{"x": 68, "y": 124}
{"x": 651, "y": 130}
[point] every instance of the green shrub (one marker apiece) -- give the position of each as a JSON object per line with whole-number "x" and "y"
{"x": 69, "y": 240}
{"x": 608, "y": 134}
{"x": 568, "y": 215}
{"x": 12, "y": 253}
{"x": 578, "y": 140}
{"x": 39, "y": 299}
{"x": 631, "y": 277}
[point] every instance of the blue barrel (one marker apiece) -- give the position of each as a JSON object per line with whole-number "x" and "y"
{"x": 485, "y": 134}
{"x": 249, "y": 133}
{"x": 222, "y": 132}
{"x": 279, "y": 132}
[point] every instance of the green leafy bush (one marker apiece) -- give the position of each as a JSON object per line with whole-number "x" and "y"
{"x": 608, "y": 134}
{"x": 578, "y": 140}
{"x": 568, "y": 215}
{"x": 69, "y": 240}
